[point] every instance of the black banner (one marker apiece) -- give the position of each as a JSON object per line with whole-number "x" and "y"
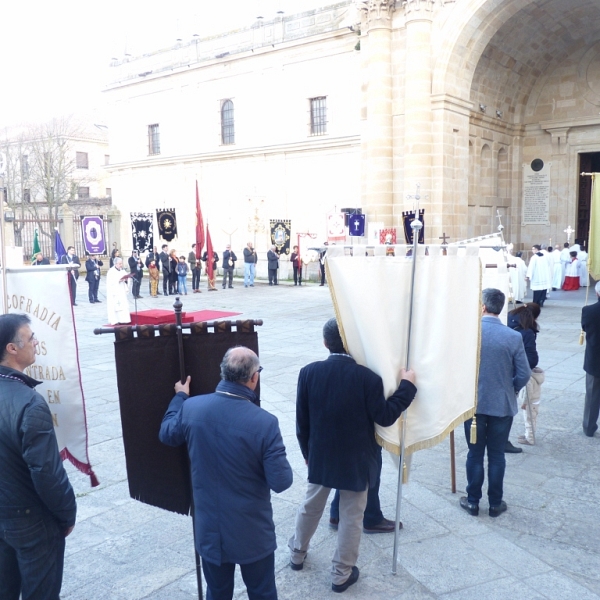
{"x": 167, "y": 223}
{"x": 407, "y": 218}
{"x": 142, "y": 231}
{"x": 281, "y": 231}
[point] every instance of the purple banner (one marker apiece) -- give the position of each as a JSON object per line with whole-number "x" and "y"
{"x": 93, "y": 235}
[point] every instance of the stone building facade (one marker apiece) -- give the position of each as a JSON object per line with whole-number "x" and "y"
{"x": 492, "y": 106}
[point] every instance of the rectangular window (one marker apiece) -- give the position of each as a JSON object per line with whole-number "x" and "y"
{"x": 26, "y": 195}
{"x": 227, "y": 123}
{"x": 83, "y": 193}
{"x": 24, "y": 166}
{"x": 108, "y": 192}
{"x": 81, "y": 160}
{"x": 153, "y": 139}
{"x": 318, "y": 115}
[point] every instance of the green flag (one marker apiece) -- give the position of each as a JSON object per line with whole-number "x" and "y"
{"x": 594, "y": 242}
{"x": 36, "y": 247}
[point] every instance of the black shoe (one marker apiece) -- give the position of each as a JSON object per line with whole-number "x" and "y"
{"x": 384, "y": 526}
{"x": 344, "y": 586}
{"x": 472, "y": 509}
{"x": 496, "y": 511}
{"x": 74, "y": 304}
{"x": 296, "y": 567}
{"x": 333, "y": 524}
{"x": 230, "y": 287}
{"x": 510, "y": 449}
{"x": 98, "y": 301}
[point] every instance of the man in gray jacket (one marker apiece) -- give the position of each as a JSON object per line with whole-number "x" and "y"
{"x": 37, "y": 503}
{"x": 503, "y": 371}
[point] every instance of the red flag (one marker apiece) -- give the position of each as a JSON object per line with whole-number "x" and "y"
{"x": 210, "y": 271}
{"x": 199, "y": 227}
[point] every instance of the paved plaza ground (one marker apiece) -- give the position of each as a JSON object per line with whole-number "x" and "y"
{"x": 546, "y": 546}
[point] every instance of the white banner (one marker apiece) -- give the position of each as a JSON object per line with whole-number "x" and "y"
{"x": 371, "y": 295}
{"x": 42, "y": 293}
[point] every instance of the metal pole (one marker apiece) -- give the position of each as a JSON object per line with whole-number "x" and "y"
{"x": 416, "y": 227}
{"x": 3, "y": 249}
{"x": 452, "y": 462}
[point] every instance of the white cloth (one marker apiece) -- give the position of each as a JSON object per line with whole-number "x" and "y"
{"x": 373, "y": 318}
{"x": 550, "y": 259}
{"x": 517, "y": 278}
{"x": 573, "y": 269}
{"x": 583, "y": 269}
{"x": 557, "y": 270}
{"x": 538, "y": 273}
{"x": 116, "y": 297}
{"x": 565, "y": 259}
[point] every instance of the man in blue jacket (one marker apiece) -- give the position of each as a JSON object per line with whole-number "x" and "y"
{"x": 236, "y": 457}
{"x": 590, "y": 323}
{"x": 503, "y": 371}
{"x": 37, "y": 503}
{"x": 337, "y": 405}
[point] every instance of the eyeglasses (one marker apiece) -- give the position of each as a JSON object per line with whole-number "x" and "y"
{"x": 259, "y": 370}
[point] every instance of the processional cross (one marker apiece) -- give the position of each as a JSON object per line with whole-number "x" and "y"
{"x": 569, "y": 231}
{"x": 444, "y": 237}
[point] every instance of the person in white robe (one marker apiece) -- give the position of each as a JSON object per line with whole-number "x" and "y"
{"x": 116, "y": 294}
{"x": 572, "y": 274}
{"x": 517, "y": 275}
{"x": 547, "y": 252}
{"x": 539, "y": 275}
{"x": 557, "y": 270}
{"x": 565, "y": 261}
{"x": 584, "y": 276}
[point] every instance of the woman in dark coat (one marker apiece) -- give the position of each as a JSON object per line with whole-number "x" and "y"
{"x": 523, "y": 320}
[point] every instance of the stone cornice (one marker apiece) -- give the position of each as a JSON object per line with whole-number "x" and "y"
{"x": 377, "y": 10}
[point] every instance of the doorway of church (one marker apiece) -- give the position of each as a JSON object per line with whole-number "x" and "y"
{"x": 589, "y": 162}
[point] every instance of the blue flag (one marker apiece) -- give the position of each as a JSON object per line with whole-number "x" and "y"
{"x": 59, "y": 249}
{"x": 356, "y": 225}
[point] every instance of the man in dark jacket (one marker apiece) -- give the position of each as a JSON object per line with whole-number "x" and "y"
{"x": 590, "y": 323}
{"x": 136, "y": 268}
{"x": 273, "y": 265}
{"x": 195, "y": 268}
{"x": 337, "y": 406}
{"x": 237, "y": 456}
{"x": 71, "y": 259}
{"x": 92, "y": 267}
{"x": 37, "y": 503}
{"x": 166, "y": 270}
{"x": 229, "y": 259}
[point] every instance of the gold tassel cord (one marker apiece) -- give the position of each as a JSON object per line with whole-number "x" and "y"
{"x": 473, "y": 439}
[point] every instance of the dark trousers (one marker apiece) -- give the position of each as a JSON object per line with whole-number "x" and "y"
{"x": 258, "y": 576}
{"x": 539, "y": 296}
{"x": 196, "y": 278}
{"x": 492, "y": 434}
{"x": 297, "y": 275}
{"x": 322, "y": 267}
{"x": 272, "y": 276}
{"x": 32, "y": 553}
{"x": 72, "y": 288}
{"x": 592, "y": 404}
{"x": 373, "y": 515}
{"x": 166, "y": 283}
{"x": 93, "y": 290}
{"x": 135, "y": 287}
{"x": 228, "y": 273}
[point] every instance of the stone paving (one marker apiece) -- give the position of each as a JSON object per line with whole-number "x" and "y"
{"x": 546, "y": 546}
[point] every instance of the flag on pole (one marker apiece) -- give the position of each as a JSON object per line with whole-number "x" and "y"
{"x": 36, "y": 246}
{"x": 594, "y": 241}
{"x": 59, "y": 249}
{"x": 210, "y": 265}
{"x": 199, "y": 227}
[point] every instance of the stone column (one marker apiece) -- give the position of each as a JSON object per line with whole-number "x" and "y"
{"x": 378, "y": 190}
{"x": 113, "y": 235}
{"x": 418, "y": 145}
{"x": 65, "y": 225}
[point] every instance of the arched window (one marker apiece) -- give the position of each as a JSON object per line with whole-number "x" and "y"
{"x": 227, "y": 123}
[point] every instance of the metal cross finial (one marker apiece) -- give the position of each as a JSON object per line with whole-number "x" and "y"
{"x": 444, "y": 237}
{"x": 569, "y": 231}
{"x": 416, "y": 197}
{"x": 499, "y": 217}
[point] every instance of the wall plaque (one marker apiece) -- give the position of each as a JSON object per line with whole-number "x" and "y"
{"x": 536, "y": 193}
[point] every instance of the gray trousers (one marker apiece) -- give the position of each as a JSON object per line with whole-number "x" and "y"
{"x": 352, "y": 508}
{"x": 592, "y": 404}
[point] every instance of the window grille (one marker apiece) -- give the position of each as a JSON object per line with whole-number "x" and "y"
{"x": 227, "y": 123}
{"x": 318, "y": 115}
{"x": 153, "y": 139}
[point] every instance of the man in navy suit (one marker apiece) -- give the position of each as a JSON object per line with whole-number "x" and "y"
{"x": 590, "y": 323}
{"x": 503, "y": 371}
{"x": 337, "y": 405}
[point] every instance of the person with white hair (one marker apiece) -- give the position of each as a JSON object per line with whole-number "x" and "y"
{"x": 116, "y": 294}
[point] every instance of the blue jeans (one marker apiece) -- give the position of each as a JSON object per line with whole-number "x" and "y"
{"x": 258, "y": 576}
{"x": 32, "y": 551}
{"x": 373, "y": 515}
{"x": 182, "y": 284}
{"x": 492, "y": 433}
{"x": 249, "y": 273}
